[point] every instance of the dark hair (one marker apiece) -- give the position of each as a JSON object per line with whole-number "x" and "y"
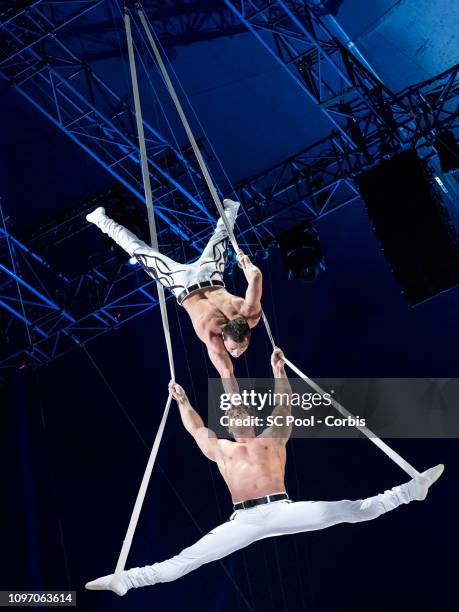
{"x": 237, "y": 412}
{"x": 237, "y": 329}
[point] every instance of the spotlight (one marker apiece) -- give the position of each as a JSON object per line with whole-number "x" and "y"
{"x": 132, "y": 261}
{"x": 301, "y": 252}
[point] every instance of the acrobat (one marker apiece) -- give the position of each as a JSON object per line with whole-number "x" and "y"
{"x": 221, "y": 320}
{"x": 253, "y": 468}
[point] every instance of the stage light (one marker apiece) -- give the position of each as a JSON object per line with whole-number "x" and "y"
{"x": 441, "y": 184}
{"x": 133, "y": 261}
{"x": 301, "y": 252}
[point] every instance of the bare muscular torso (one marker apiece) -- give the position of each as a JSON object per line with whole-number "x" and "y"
{"x": 253, "y": 468}
{"x": 211, "y": 308}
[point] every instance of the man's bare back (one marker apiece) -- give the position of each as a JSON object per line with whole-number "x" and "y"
{"x": 211, "y": 308}
{"x": 223, "y": 321}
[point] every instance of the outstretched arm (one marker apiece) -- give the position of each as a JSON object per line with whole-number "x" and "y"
{"x": 222, "y": 361}
{"x": 193, "y": 423}
{"x": 281, "y": 431}
{"x": 255, "y": 284}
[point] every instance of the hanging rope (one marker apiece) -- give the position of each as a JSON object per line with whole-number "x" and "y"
{"x": 202, "y": 128}
{"x": 162, "y": 300}
{"x": 163, "y": 308}
{"x": 194, "y": 145}
{"x": 402, "y": 463}
{"x": 173, "y": 488}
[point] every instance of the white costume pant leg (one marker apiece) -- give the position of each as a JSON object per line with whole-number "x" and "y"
{"x": 212, "y": 261}
{"x": 243, "y": 528}
{"x": 162, "y": 268}
{"x": 278, "y": 518}
{"x": 295, "y": 517}
{"x": 174, "y": 276}
{"x": 264, "y": 521}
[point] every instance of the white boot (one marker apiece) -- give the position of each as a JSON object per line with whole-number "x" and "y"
{"x": 231, "y": 209}
{"x": 122, "y": 236}
{"x": 106, "y": 583}
{"x": 96, "y": 215}
{"x": 425, "y": 480}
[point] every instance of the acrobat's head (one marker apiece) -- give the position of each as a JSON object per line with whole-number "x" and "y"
{"x": 240, "y": 423}
{"x": 236, "y": 336}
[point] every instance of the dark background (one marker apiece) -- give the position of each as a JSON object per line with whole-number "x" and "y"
{"x": 73, "y": 455}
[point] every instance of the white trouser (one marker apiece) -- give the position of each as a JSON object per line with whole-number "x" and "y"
{"x": 264, "y": 521}
{"x": 174, "y": 276}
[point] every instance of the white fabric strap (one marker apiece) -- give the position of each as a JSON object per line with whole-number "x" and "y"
{"x": 147, "y": 186}
{"x": 194, "y": 144}
{"x": 396, "y": 458}
{"x": 186, "y": 125}
{"x": 382, "y": 445}
{"x": 163, "y": 308}
{"x": 121, "y": 563}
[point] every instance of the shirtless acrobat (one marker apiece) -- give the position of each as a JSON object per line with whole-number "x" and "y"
{"x": 221, "y": 320}
{"x": 253, "y": 468}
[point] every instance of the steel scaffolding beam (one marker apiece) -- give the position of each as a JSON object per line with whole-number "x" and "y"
{"x": 300, "y": 40}
{"x": 175, "y": 23}
{"x": 44, "y": 314}
{"x": 47, "y": 312}
{"x": 36, "y": 62}
{"x": 319, "y": 179}
{"x": 307, "y": 186}
{"x": 29, "y": 290}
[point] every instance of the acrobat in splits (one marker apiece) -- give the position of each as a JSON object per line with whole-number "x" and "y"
{"x": 253, "y": 468}
{"x": 221, "y": 320}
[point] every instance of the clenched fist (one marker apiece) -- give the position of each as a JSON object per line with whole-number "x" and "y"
{"x": 177, "y": 392}
{"x": 277, "y": 358}
{"x": 243, "y": 260}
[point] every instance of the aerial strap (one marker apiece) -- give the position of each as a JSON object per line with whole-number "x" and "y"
{"x": 402, "y": 463}
{"x": 194, "y": 145}
{"x": 163, "y": 308}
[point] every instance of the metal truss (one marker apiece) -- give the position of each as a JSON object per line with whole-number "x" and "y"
{"x": 307, "y": 186}
{"x": 318, "y": 180}
{"x": 298, "y": 37}
{"x": 175, "y": 23}
{"x": 35, "y": 61}
{"x": 44, "y": 313}
{"x": 47, "y": 312}
{"x": 46, "y": 71}
{"x": 31, "y": 308}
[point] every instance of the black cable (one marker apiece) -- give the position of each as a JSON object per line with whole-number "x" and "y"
{"x": 52, "y": 479}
